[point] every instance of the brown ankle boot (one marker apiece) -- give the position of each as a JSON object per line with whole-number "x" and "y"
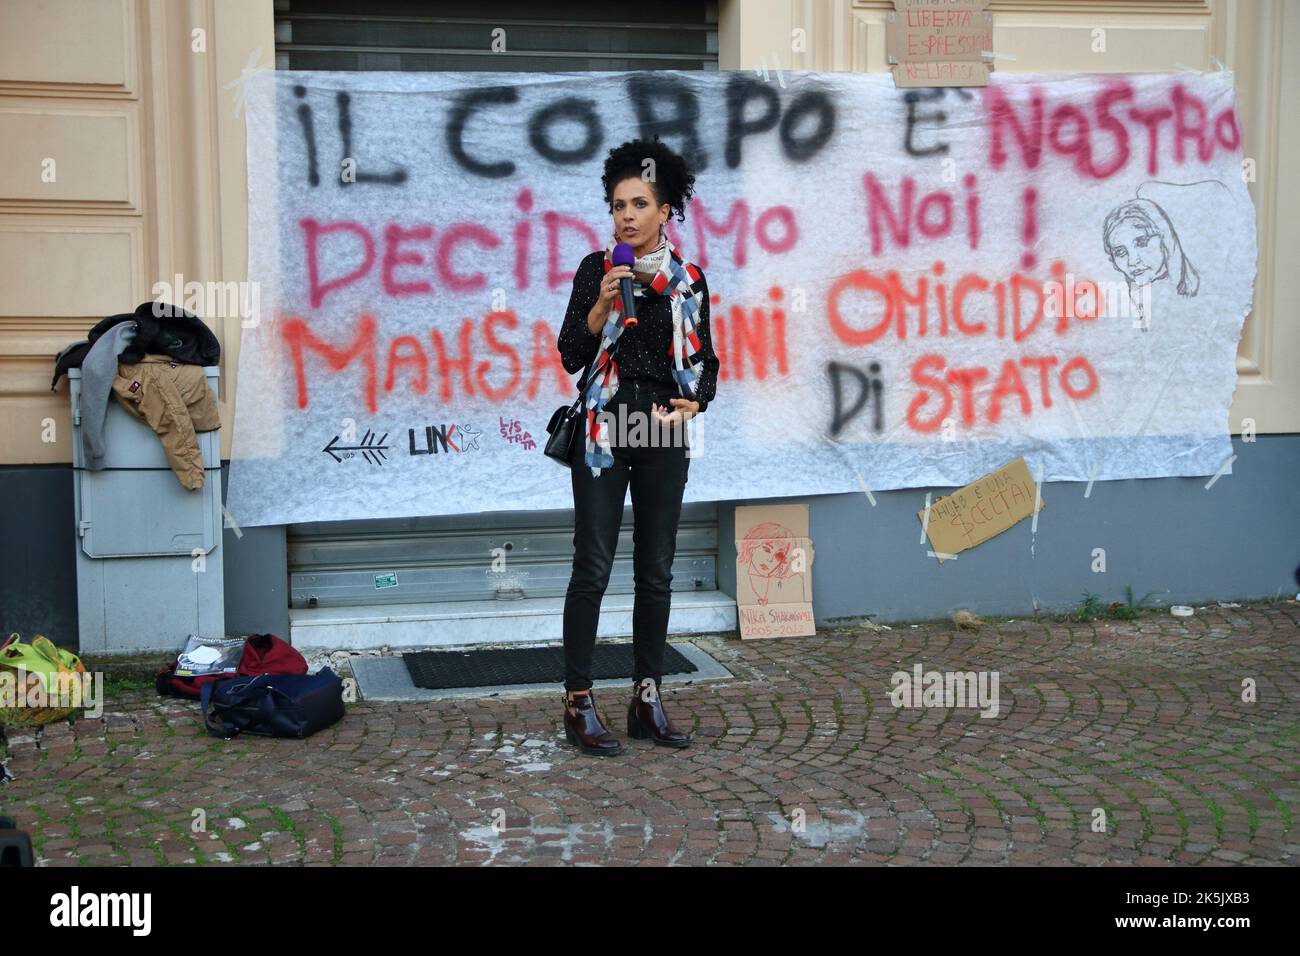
{"x": 582, "y": 726}
{"x": 646, "y": 717}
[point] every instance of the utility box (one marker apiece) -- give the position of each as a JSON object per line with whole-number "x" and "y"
{"x": 149, "y": 557}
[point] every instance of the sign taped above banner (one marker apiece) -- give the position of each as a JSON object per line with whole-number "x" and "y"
{"x": 939, "y": 44}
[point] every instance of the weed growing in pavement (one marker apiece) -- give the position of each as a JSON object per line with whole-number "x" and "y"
{"x": 1092, "y": 607}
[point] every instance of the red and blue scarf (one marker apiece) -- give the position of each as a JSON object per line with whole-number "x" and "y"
{"x": 676, "y": 278}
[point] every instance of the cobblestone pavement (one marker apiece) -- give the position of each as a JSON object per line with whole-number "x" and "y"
{"x": 802, "y": 759}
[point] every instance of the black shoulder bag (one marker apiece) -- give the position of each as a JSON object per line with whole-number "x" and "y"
{"x": 563, "y": 426}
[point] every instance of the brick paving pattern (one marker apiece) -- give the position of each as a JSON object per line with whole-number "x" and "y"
{"x": 801, "y": 759}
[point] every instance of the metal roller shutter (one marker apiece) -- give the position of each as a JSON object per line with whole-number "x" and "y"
{"x": 450, "y": 558}
{"x": 558, "y": 35}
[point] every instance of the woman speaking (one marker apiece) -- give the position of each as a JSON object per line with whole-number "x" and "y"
{"x": 660, "y": 366}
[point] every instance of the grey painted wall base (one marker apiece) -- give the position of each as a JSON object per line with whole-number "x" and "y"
{"x": 1238, "y": 540}
{"x": 38, "y": 558}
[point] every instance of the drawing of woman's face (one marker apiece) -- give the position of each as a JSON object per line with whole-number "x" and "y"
{"x": 1138, "y": 251}
{"x": 769, "y": 556}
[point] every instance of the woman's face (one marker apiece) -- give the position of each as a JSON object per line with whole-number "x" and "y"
{"x": 637, "y": 216}
{"x": 769, "y": 556}
{"x": 1137, "y": 252}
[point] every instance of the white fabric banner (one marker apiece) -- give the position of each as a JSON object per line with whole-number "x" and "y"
{"x": 908, "y": 288}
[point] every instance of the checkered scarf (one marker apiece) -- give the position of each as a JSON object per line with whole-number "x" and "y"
{"x": 669, "y": 273}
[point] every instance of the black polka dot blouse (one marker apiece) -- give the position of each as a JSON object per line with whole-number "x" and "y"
{"x": 643, "y": 352}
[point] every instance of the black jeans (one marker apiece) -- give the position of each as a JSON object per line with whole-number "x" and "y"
{"x": 657, "y": 476}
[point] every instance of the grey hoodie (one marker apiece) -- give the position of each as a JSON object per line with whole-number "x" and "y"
{"x": 98, "y": 369}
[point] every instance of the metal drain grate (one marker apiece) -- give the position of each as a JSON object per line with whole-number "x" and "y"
{"x": 440, "y": 670}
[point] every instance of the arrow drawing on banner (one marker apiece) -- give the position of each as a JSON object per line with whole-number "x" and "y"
{"x": 371, "y": 449}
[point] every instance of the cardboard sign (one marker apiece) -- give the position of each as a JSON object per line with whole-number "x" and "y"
{"x": 774, "y": 558}
{"x": 942, "y": 43}
{"x": 984, "y": 508}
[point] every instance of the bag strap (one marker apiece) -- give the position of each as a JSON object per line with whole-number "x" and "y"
{"x": 64, "y": 660}
{"x": 205, "y": 699}
{"x": 582, "y": 389}
{"x": 216, "y": 726}
{"x": 266, "y": 706}
{"x": 262, "y": 709}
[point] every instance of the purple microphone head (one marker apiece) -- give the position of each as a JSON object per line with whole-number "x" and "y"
{"x": 622, "y": 255}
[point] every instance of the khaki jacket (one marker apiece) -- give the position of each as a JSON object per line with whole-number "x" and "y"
{"x": 174, "y": 399}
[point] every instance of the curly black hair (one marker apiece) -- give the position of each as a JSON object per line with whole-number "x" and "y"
{"x": 673, "y": 180}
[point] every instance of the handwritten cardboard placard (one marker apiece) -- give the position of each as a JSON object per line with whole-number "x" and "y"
{"x": 984, "y": 508}
{"x": 939, "y": 43}
{"x": 774, "y": 558}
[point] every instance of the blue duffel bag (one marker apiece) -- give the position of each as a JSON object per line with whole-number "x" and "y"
{"x": 276, "y": 705}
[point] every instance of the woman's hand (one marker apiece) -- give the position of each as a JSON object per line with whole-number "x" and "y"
{"x": 683, "y": 410}
{"x": 610, "y": 286}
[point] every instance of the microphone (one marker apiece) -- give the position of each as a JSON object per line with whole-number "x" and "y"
{"x": 624, "y": 256}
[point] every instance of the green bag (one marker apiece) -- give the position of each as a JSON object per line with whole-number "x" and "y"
{"x": 58, "y": 672}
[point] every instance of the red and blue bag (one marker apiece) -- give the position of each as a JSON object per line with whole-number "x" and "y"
{"x": 260, "y": 654}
